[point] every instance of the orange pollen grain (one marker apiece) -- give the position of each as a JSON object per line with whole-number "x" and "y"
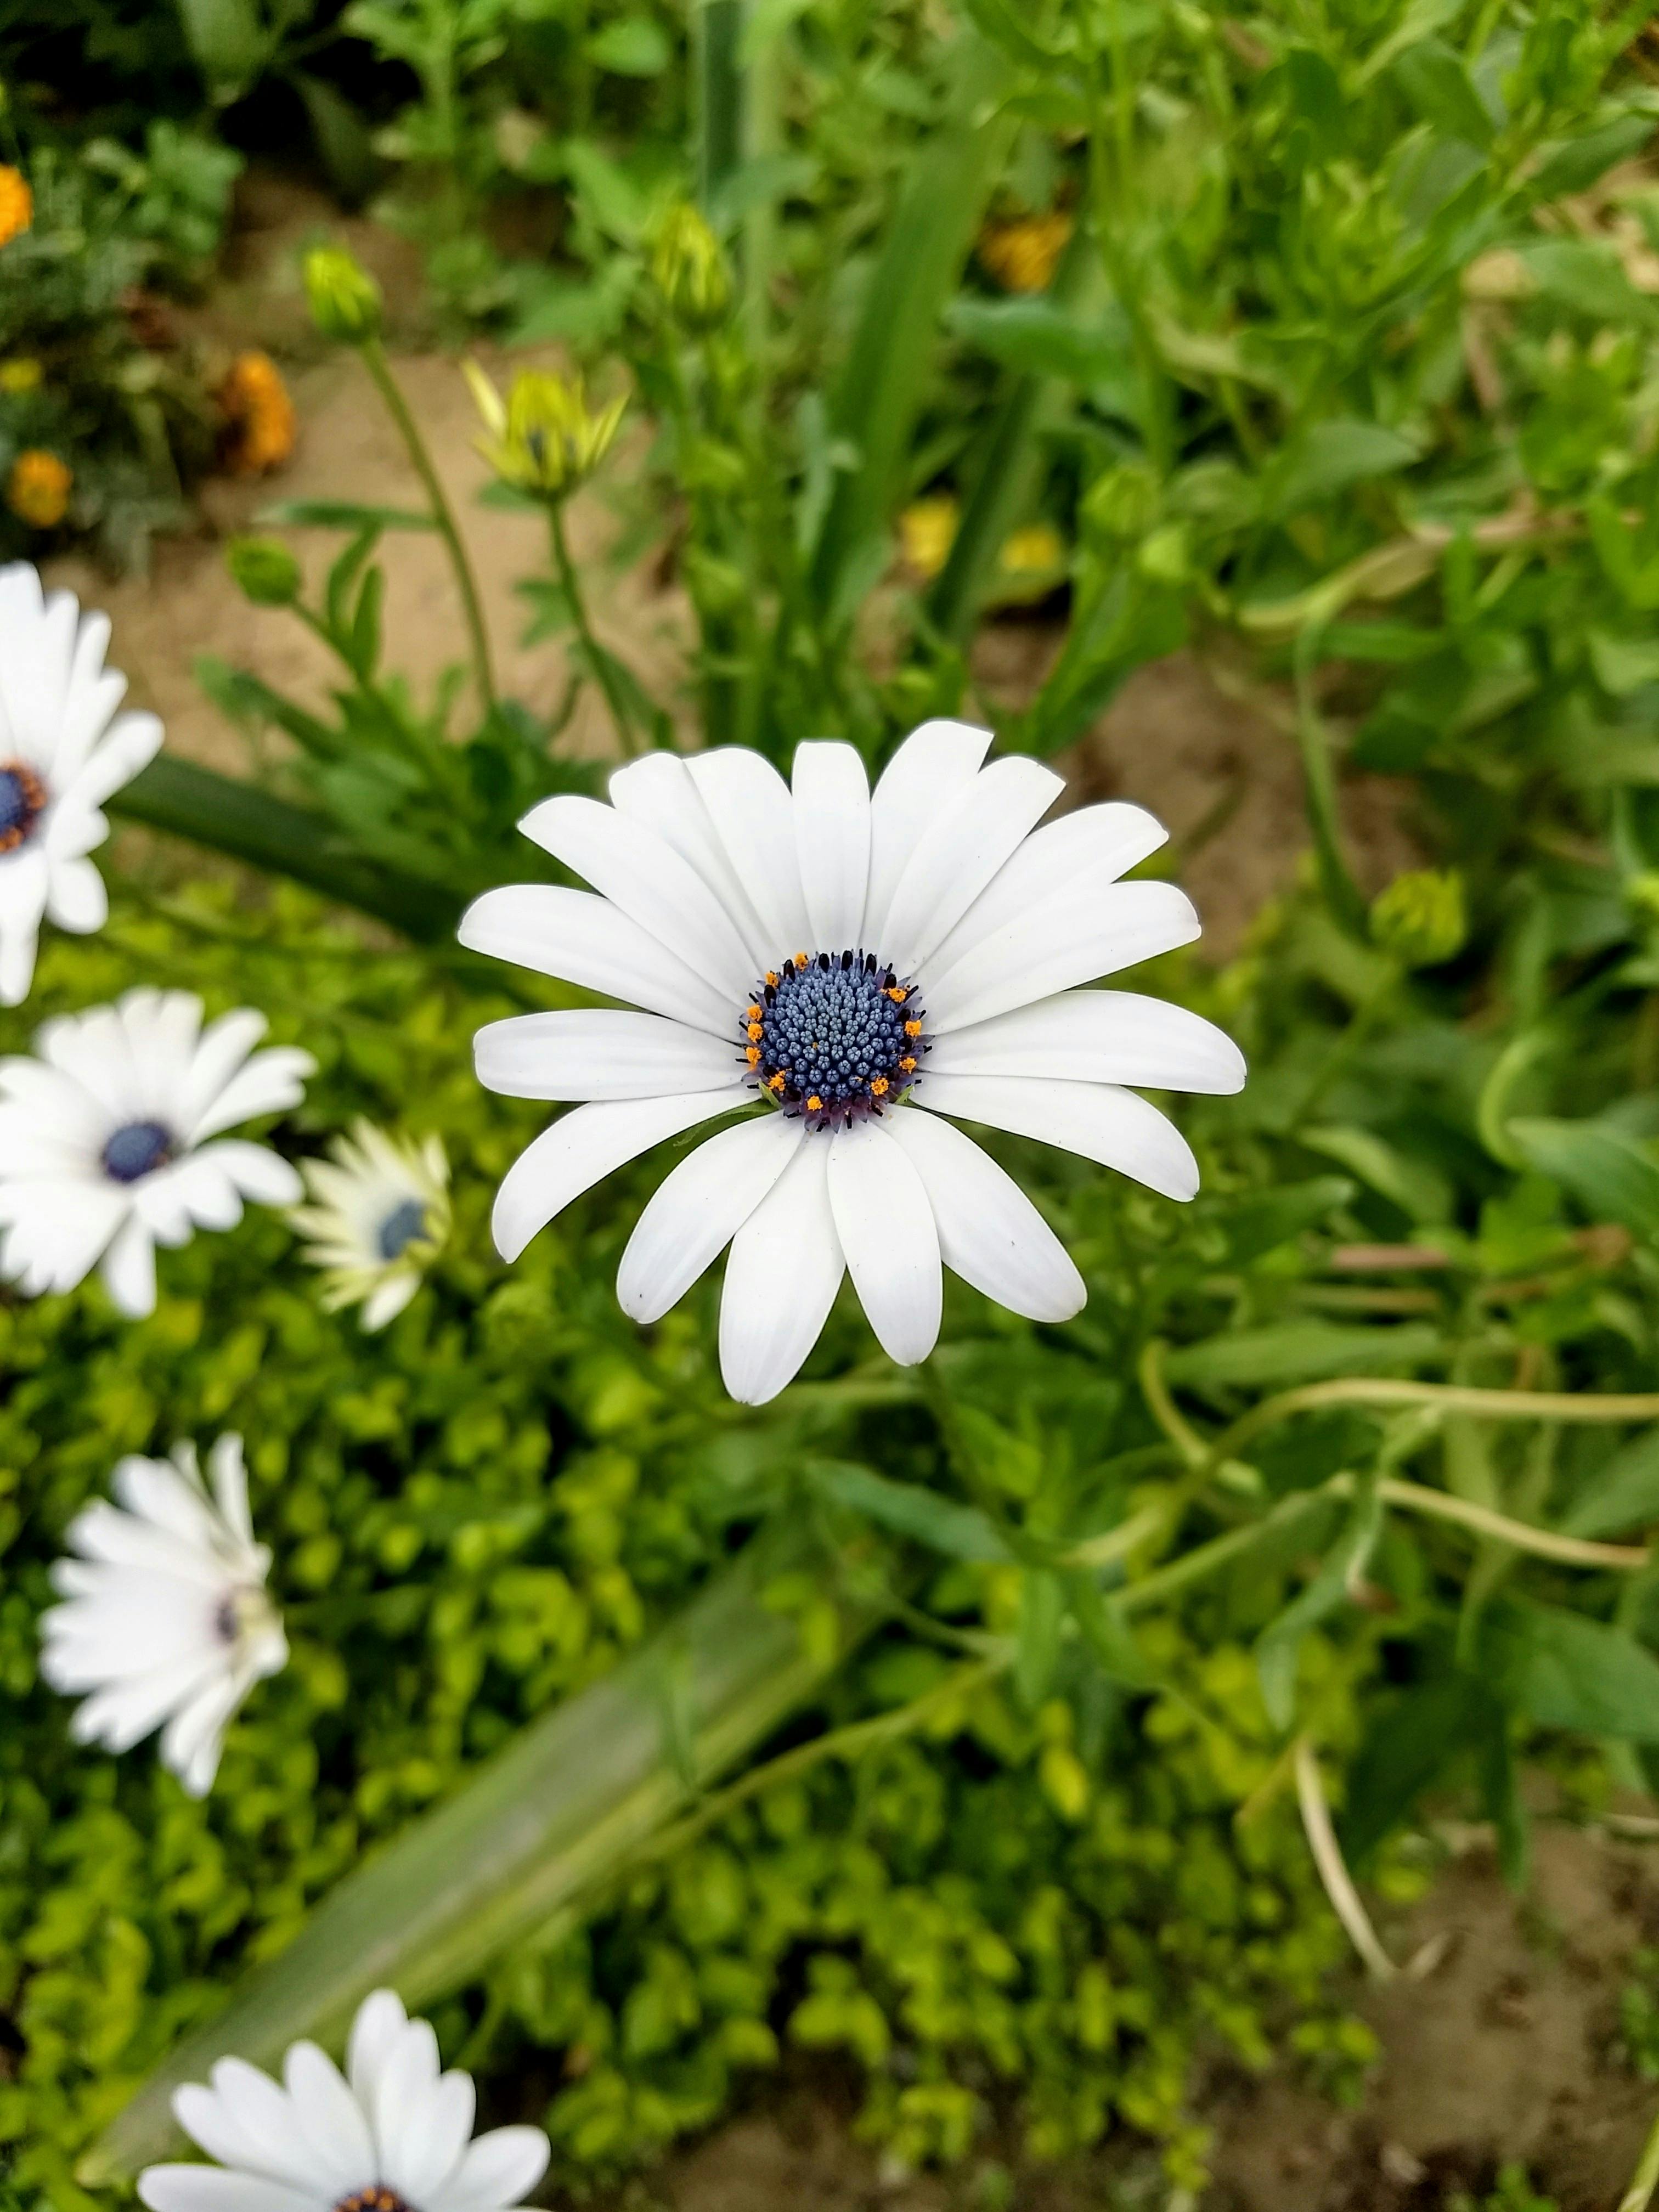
{"x": 774, "y": 1082}
{"x": 752, "y": 1012}
{"x": 912, "y": 1028}
{"x": 772, "y": 977}
{"x": 815, "y": 1104}
{"x": 898, "y": 994}
{"x": 751, "y": 1053}
{"x": 803, "y": 959}
{"x": 908, "y": 1063}
{"x": 878, "y": 1088}
{"x": 756, "y": 1032}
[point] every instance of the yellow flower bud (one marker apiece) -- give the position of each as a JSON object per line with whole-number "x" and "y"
{"x": 544, "y": 438}
{"x": 1420, "y": 917}
{"x": 344, "y": 298}
{"x": 37, "y": 489}
{"x": 926, "y": 531}
{"x": 690, "y": 269}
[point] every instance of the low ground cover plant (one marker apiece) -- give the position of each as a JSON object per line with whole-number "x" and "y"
{"x": 1029, "y": 1681}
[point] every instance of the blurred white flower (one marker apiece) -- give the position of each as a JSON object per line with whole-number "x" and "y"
{"x": 392, "y": 2134}
{"x": 165, "y": 1618}
{"x": 62, "y": 751}
{"x": 378, "y": 1215}
{"x": 867, "y": 963}
{"x": 111, "y": 1143}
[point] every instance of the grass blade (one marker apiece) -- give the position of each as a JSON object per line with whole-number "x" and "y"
{"x": 536, "y": 1832}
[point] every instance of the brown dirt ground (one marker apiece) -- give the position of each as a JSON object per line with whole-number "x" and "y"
{"x": 1504, "y": 2049}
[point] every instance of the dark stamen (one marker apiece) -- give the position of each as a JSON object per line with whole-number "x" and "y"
{"x": 22, "y": 801}
{"x": 400, "y": 1229}
{"x": 377, "y": 2198}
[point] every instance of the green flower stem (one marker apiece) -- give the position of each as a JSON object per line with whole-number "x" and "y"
{"x": 1645, "y": 2179}
{"x": 379, "y": 368}
{"x": 598, "y": 661}
{"x": 1446, "y": 1397}
{"x": 1319, "y": 786}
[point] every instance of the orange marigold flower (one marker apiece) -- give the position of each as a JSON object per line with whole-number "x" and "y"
{"x": 16, "y": 204}
{"x": 1021, "y": 255}
{"x": 258, "y": 416}
{"x": 37, "y": 489}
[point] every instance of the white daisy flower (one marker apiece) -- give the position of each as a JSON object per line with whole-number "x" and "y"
{"x": 111, "y": 1143}
{"x": 62, "y": 751}
{"x": 393, "y": 2134}
{"x": 166, "y": 1618}
{"x": 379, "y": 1212}
{"x": 867, "y": 963}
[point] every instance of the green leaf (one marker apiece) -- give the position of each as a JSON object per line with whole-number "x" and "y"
{"x": 1329, "y": 458}
{"x": 632, "y": 46}
{"x": 1406, "y": 1751}
{"x": 1624, "y": 665}
{"x": 1562, "y": 1670}
{"x": 1108, "y": 1634}
{"x": 961, "y": 1531}
{"x": 341, "y": 135}
{"x": 1610, "y": 1177}
{"x": 1041, "y": 336}
{"x": 248, "y": 824}
{"x": 1420, "y": 1192}
{"x": 1302, "y": 1351}
{"x": 1037, "y": 1634}
{"x": 1623, "y": 1494}
{"x": 1576, "y": 163}
{"x": 1316, "y": 93}
{"x": 1586, "y": 278}
{"x": 341, "y": 514}
{"x": 512, "y": 1854}
{"x": 1435, "y": 78}
{"x": 227, "y": 42}
{"x": 1279, "y": 1643}
{"x": 1262, "y": 1223}
{"x": 891, "y": 363}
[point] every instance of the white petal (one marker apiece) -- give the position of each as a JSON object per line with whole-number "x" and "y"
{"x": 60, "y": 1228}
{"x": 585, "y": 1145}
{"x": 602, "y": 1053}
{"x": 1069, "y": 939}
{"x": 129, "y": 1269}
{"x": 634, "y": 868}
{"x": 1093, "y": 846}
{"x": 257, "y": 1172}
{"x": 227, "y": 1471}
{"x": 193, "y": 1738}
{"x": 434, "y": 2133}
{"x": 586, "y": 941}
{"x": 213, "y": 2188}
{"x": 213, "y": 1059}
{"x": 832, "y": 841}
{"x": 76, "y": 898}
{"x": 698, "y": 1210}
{"x": 780, "y": 1281}
{"x": 270, "y": 1083}
{"x": 374, "y": 2033}
{"x": 252, "y": 2103}
{"x": 386, "y": 1303}
{"x": 1097, "y": 1036}
{"x": 658, "y": 789}
{"x": 201, "y": 1185}
{"x": 750, "y": 806}
{"x": 23, "y": 888}
{"x": 885, "y": 1227}
{"x": 500, "y": 2169}
{"x": 329, "y": 2116}
{"x": 989, "y": 1232}
{"x": 934, "y": 764}
{"x": 959, "y": 853}
{"x": 1096, "y": 1119}
{"x": 408, "y": 2079}
{"x": 131, "y": 745}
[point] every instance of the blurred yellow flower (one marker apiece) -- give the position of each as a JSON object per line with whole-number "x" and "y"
{"x": 543, "y": 437}
{"x": 258, "y": 416}
{"x": 37, "y": 489}
{"x": 927, "y": 531}
{"x": 1421, "y": 918}
{"x": 1021, "y": 255}
{"x": 22, "y": 374}
{"x": 1036, "y": 550}
{"x": 16, "y": 204}
{"x": 344, "y": 297}
{"x": 690, "y": 269}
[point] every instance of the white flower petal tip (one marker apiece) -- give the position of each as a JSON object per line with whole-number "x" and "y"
{"x": 378, "y": 1217}
{"x": 63, "y": 751}
{"x": 838, "y": 957}
{"x": 166, "y": 1622}
{"x": 114, "y": 1143}
{"x": 393, "y": 2134}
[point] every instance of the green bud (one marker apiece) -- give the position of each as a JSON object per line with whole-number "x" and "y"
{"x": 263, "y": 570}
{"x": 344, "y": 298}
{"x": 1421, "y": 919}
{"x": 689, "y": 270}
{"x": 719, "y": 586}
{"x": 1643, "y": 893}
{"x": 1163, "y": 554}
{"x": 1123, "y": 504}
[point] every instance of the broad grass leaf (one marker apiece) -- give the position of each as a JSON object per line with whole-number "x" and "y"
{"x": 1261, "y": 1224}
{"x": 1435, "y": 78}
{"x": 1301, "y": 1352}
{"x": 1613, "y": 1178}
{"x": 1576, "y": 163}
{"x": 1037, "y": 1635}
{"x": 1589, "y": 280}
{"x": 1562, "y": 1670}
{"x": 1329, "y": 458}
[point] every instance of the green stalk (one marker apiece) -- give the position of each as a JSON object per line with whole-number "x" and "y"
{"x": 539, "y": 1829}
{"x": 1645, "y": 2179}
{"x": 598, "y": 661}
{"x": 379, "y": 368}
{"x": 717, "y": 37}
{"x": 1319, "y": 787}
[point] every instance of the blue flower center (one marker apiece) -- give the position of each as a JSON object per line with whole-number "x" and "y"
{"x": 834, "y": 1036}
{"x": 137, "y": 1148}
{"x": 22, "y": 798}
{"x": 400, "y": 1229}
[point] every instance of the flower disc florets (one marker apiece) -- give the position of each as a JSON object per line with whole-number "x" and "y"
{"x": 22, "y": 801}
{"x": 834, "y": 1037}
